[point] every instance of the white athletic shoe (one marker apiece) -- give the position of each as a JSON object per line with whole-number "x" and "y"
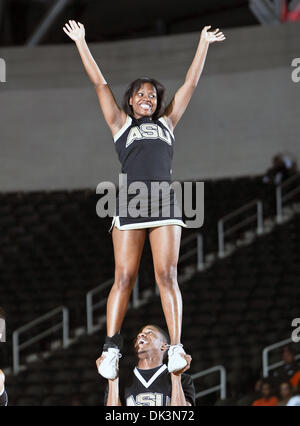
{"x": 176, "y": 361}
{"x": 109, "y": 367}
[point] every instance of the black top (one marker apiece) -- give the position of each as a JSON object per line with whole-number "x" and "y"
{"x": 151, "y": 387}
{"x": 3, "y": 399}
{"x": 145, "y": 148}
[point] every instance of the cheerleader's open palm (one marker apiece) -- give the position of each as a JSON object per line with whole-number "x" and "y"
{"x": 212, "y": 36}
{"x": 75, "y": 30}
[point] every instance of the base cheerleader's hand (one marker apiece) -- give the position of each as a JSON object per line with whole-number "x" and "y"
{"x": 98, "y": 362}
{"x": 188, "y": 359}
{"x": 211, "y": 36}
{"x": 75, "y": 30}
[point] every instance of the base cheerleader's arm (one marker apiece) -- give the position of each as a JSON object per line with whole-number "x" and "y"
{"x": 113, "y": 398}
{"x": 178, "y": 396}
{"x": 112, "y": 392}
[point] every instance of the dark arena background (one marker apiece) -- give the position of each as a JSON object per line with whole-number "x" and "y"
{"x": 239, "y": 273}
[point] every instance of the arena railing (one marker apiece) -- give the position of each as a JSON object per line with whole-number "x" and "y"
{"x": 198, "y": 250}
{"x": 265, "y": 356}
{"x": 282, "y": 198}
{"x": 218, "y": 388}
{"x": 18, "y": 347}
{"x": 245, "y": 208}
{"x": 92, "y": 306}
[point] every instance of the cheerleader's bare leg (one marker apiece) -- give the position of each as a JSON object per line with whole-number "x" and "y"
{"x": 128, "y": 247}
{"x": 165, "y": 245}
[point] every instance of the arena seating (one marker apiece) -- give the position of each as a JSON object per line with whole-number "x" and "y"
{"x": 55, "y": 248}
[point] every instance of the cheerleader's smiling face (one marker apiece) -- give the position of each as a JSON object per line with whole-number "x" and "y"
{"x": 144, "y": 101}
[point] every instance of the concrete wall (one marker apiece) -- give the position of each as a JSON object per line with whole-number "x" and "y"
{"x": 245, "y": 108}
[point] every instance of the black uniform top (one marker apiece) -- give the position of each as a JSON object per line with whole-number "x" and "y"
{"x": 3, "y": 398}
{"x": 145, "y": 148}
{"x": 152, "y": 387}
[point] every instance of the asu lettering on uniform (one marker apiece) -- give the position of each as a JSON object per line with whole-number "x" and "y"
{"x": 148, "y": 399}
{"x": 148, "y": 131}
{"x": 145, "y": 148}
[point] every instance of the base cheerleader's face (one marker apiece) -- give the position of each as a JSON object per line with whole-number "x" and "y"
{"x": 144, "y": 101}
{"x": 149, "y": 342}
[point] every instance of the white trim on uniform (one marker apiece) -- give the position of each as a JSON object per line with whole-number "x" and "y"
{"x": 123, "y": 128}
{"x": 151, "y": 224}
{"x": 162, "y": 120}
{"x": 153, "y": 378}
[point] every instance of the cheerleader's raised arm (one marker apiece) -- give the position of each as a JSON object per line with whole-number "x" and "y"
{"x": 114, "y": 116}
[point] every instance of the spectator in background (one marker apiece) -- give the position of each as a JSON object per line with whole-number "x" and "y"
{"x": 290, "y": 366}
{"x": 257, "y": 390}
{"x": 295, "y": 400}
{"x": 3, "y": 394}
{"x": 267, "y": 398}
{"x": 283, "y": 167}
{"x": 295, "y": 380}
{"x": 258, "y": 385}
{"x": 252, "y": 395}
{"x": 290, "y": 12}
{"x": 285, "y": 393}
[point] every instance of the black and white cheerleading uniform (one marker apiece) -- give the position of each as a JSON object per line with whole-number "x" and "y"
{"x": 3, "y": 398}
{"x": 145, "y": 150}
{"x": 152, "y": 387}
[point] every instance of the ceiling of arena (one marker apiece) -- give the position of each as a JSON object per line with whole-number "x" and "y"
{"x": 118, "y": 19}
